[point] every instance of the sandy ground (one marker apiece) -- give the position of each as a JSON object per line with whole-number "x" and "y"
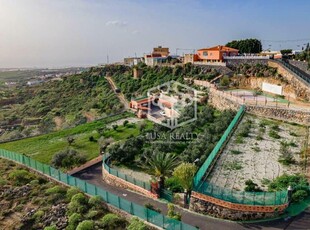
{"x": 258, "y": 159}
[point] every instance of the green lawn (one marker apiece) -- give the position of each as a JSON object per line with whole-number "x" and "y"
{"x": 42, "y": 148}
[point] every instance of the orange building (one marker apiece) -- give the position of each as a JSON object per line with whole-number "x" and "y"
{"x": 216, "y": 53}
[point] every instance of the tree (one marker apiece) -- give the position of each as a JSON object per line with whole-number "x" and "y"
{"x": 162, "y": 165}
{"x": 246, "y": 46}
{"x": 286, "y": 51}
{"x": 70, "y": 140}
{"x": 104, "y": 143}
{"x": 185, "y": 172}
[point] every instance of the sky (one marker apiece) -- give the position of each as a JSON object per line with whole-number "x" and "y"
{"x": 62, "y": 33}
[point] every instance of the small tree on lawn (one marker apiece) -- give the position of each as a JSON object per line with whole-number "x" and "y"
{"x": 70, "y": 140}
{"x": 185, "y": 172}
{"x": 104, "y": 143}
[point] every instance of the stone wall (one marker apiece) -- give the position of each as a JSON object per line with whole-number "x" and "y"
{"x": 296, "y": 116}
{"x": 226, "y": 210}
{"x": 233, "y": 63}
{"x": 302, "y": 90}
{"x": 301, "y": 65}
{"x": 116, "y": 181}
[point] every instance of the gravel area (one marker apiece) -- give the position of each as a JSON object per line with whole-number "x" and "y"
{"x": 257, "y": 158}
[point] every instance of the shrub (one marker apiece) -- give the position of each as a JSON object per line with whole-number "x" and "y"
{"x": 299, "y": 195}
{"x": 274, "y": 134}
{"x": 53, "y": 227}
{"x": 92, "y": 214}
{"x": 78, "y": 204}
{"x": 251, "y": 186}
{"x": 68, "y": 159}
{"x": 111, "y": 221}
{"x": 235, "y": 152}
{"x": 73, "y": 221}
{"x": 173, "y": 184}
{"x": 72, "y": 191}
{"x": 125, "y": 123}
{"x": 95, "y": 201}
{"x": 38, "y": 215}
{"x": 56, "y": 189}
{"x": 136, "y": 224}
{"x": 91, "y": 139}
{"x": 172, "y": 213}
{"x": 86, "y": 225}
{"x": 20, "y": 177}
{"x": 115, "y": 127}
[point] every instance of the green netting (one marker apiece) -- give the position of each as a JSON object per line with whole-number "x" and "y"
{"x": 240, "y": 197}
{"x": 91, "y": 189}
{"x": 139, "y": 211}
{"x": 155, "y": 217}
{"x": 130, "y": 179}
{"x": 204, "y": 168}
{"x": 72, "y": 180}
{"x": 132, "y": 208}
{"x": 125, "y": 205}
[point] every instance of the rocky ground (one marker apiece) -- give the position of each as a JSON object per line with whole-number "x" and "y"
{"x": 256, "y": 156}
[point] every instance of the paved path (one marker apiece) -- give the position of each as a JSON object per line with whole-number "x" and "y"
{"x": 94, "y": 175}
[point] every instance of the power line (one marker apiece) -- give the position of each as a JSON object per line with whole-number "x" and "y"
{"x": 283, "y": 41}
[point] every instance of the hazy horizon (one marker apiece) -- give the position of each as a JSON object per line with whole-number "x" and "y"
{"x": 52, "y": 34}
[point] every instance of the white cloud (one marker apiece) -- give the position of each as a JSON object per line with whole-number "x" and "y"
{"x": 117, "y": 23}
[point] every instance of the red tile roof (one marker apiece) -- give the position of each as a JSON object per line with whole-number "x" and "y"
{"x": 219, "y": 48}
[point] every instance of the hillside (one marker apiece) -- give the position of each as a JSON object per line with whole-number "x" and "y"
{"x": 56, "y": 105}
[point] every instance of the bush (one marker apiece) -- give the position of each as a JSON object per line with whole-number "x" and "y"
{"x": 73, "y": 221}
{"x": 95, "y": 201}
{"x": 91, "y": 139}
{"x": 20, "y": 177}
{"x": 251, "y": 186}
{"x": 174, "y": 184}
{"x": 92, "y": 214}
{"x": 299, "y": 195}
{"x": 68, "y": 159}
{"x": 56, "y": 190}
{"x": 136, "y": 224}
{"x": 51, "y": 228}
{"x": 38, "y": 215}
{"x": 125, "y": 123}
{"x": 71, "y": 192}
{"x": 111, "y": 221}
{"x": 86, "y": 225}
{"x": 78, "y": 204}
{"x": 172, "y": 213}
{"x": 274, "y": 134}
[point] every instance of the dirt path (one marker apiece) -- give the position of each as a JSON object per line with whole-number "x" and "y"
{"x": 120, "y": 95}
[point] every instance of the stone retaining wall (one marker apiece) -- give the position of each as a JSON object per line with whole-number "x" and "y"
{"x": 302, "y": 90}
{"x": 295, "y": 116}
{"x": 116, "y": 181}
{"x": 226, "y": 210}
{"x": 301, "y": 65}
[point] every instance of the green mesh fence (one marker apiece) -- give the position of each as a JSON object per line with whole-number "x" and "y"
{"x": 239, "y": 197}
{"x": 204, "y": 168}
{"x": 137, "y": 210}
{"x": 130, "y": 179}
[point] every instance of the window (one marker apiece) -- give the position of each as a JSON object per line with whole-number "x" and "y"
{"x": 205, "y": 53}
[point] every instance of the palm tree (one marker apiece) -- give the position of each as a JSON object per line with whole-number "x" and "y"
{"x": 161, "y": 165}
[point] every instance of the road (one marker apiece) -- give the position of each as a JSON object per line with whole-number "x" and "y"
{"x": 93, "y": 175}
